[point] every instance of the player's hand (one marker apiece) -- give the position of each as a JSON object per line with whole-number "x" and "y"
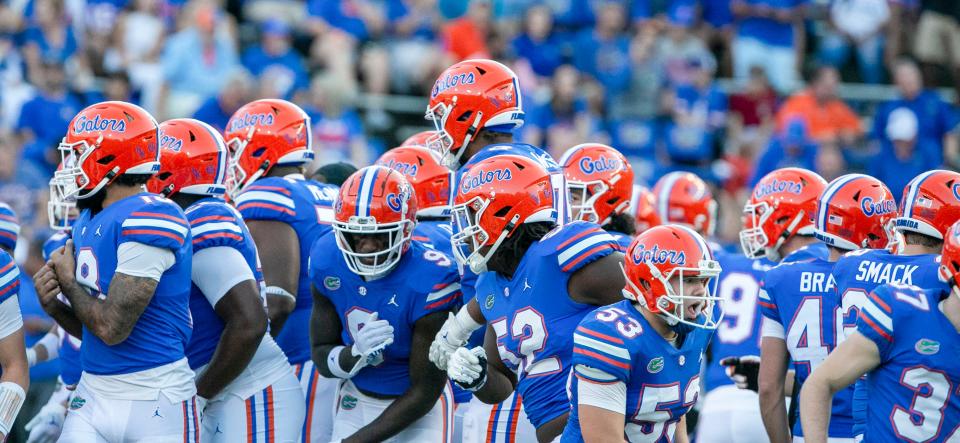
{"x": 444, "y": 344}
{"x": 45, "y": 427}
{"x": 47, "y": 286}
{"x": 744, "y": 371}
{"x": 63, "y": 262}
{"x": 468, "y": 368}
{"x": 201, "y": 404}
{"x": 373, "y": 337}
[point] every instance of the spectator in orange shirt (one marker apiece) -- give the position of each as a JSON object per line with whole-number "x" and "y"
{"x": 466, "y": 37}
{"x": 827, "y": 117}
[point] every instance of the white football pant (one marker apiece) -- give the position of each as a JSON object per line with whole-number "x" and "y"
{"x": 356, "y": 410}
{"x": 275, "y": 414}
{"x": 505, "y": 422}
{"x": 320, "y": 395}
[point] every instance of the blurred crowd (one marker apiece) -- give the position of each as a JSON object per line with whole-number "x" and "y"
{"x": 640, "y": 75}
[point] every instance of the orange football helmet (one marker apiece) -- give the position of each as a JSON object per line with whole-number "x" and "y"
{"x": 599, "y": 182}
{"x": 374, "y": 201}
{"x": 263, "y": 134}
{"x": 661, "y": 253}
{"x": 856, "y": 211}
{"x": 193, "y": 159}
{"x": 493, "y": 198}
{"x": 643, "y": 206}
{"x": 685, "y": 199}
{"x": 782, "y": 205}
{"x": 950, "y": 256}
{"x": 419, "y": 139}
{"x": 470, "y": 96}
{"x": 103, "y": 142}
{"x": 930, "y": 203}
{"x": 430, "y": 180}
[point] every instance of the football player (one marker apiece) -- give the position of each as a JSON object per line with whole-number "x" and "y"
{"x": 637, "y": 362}
{"x": 778, "y": 220}
{"x": 126, "y": 275}
{"x": 377, "y": 306}
{"x": 683, "y": 198}
{"x": 802, "y": 310}
{"x": 243, "y": 379}
{"x": 905, "y": 342}
{"x": 269, "y": 143}
{"x": 431, "y": 184}
{"x": 861, "y": 270}
{"x": 643, "y": 206}
{"x": 473, "y": 104}
{"x": 600, "y": 188}
{"x": 507, "y": 223}
{"x": 419, "y": 139}
{"x": 14, "y": 369}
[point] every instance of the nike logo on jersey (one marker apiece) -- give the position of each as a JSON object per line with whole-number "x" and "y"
{"x": 881, "y": 273}
{"x": 97, "y": 233}
{"x": 816, "y": 282}
{"x": 526, "y": 284}
{"x": 393, "y": 301}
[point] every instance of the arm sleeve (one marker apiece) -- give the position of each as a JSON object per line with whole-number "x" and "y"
{"x": 444, "y": 295}
{"x": 772, "y": 328}
{"x": 876, "y": 320}
{"x": 215, "y": 225}
{"x": 158, "y": 223}
{"x": 599, "y": 347}
{"x": 10, "y": 319}
{"x": 216, "y": 270}
{"x": 609, "y": 396}
{"x": 141, "y": 260}
{"x": 580, "y": 244}
{"x": 263, "y": 202}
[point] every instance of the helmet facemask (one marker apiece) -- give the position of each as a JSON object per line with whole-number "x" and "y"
{"x": 442, "y": 141}
{"x": 68, "y": 182}
{"x": 583, "y": 198}
{"x": 469, "y": 237}
{"x": 671, "y": 304}
{"x": 377, "y": 263}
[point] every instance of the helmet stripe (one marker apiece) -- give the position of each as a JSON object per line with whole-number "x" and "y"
{"x": 221, "y": 152}
{"x": 663, "y": 199}
{"x": 366, "y": 191}
{"x": 828, "y": 195}
{"x": 914, "y": 189}
{"x": 566, "y": 155}
{"x": 704, "y": 249}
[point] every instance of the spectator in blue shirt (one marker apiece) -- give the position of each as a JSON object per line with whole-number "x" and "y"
{"x": 901, "y": 155}
{"x": 936, "y": 118}
{"x": 276, "y": 59}
{"x": 604, "y": 51}
{"x": 563, "y": 119}
{"x": 792, "y": 148}
{"x": 355, "y": 17}
{"x": 216, "y": 111}
{"x": 197, "y": 61}
{"x": 767, "y": 32}
{"x": 537, "y": 45}
{"x": 337, "y": 130}
{"x": 45, "y": 117}
{"x": 413, "y": 50}
{"x": 699, "y": 113}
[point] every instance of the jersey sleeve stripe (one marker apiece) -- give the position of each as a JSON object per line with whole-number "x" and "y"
{"x": 13, "y": 287}
{"x": 159, "y": 215}
{"x": 873, "y": 297}
{"x": 577, "y": 237}
{"x": 444, "y": 301}
{"x": 443, "y": 292}
{"x": 269, "y": 197}
{"x": 9, "y": 235}
{"x": 178, "y": 238}
{"x": 420, "y": 239}
{"x": 879, "y": 330}
{"x": 154, "y": 223}
{"x": 266, "y": 206}
{"x": 8, "y": 218}
{"x": 210, "y": 218}
{"x": 596, "y": 345}
{"x": 279, "y": 189}
{"x": 586, "y": 255}
{"x": 8, "y": 274}
{"x": 215, "y": 226}
{"x": 600, "y": 335}
{"x": 881, "y": 317}
{"x": 598, "y": 237}
{"x": 594, "y": 374}
{"x": 602, "y": 358}
{"x": 766, "y": 304}
{"x": 203, "y": 238}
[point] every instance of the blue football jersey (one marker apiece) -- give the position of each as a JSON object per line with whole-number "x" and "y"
{"x": 858, "y": 273}
{"x": 161, "y": 333}
{"x": 395, "y": 297}
{"x": 623, "y": 240}
{"x": 213, "y": 223}
{"x": 9, "y": 277}
{"x": 69, "y": 346}
{"x": 663, "y": 382}
{"x": 738, "y": 333}
{"x": 534, "y": 317}
{"x": 915, "y": 391}
{"x": 307, "y": 206}
{"x": 801, "y": 297}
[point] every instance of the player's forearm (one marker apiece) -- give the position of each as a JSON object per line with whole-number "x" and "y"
{"x": 497, "y": 388}
{"x": 773, "y": 411}
{"x": 279, "y": 308}
{"x": 65, "y": 317}
{"x": 815, "y": 401}
{"x": 404, "y": 411}
{"x": 13, "y": 360}
{"x": 113, "y": 318}
{"x": 238, "y": 344}
{"x": 681, "y": 435}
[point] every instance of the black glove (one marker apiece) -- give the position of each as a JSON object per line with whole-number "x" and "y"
{"x": 744, "y": 371}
